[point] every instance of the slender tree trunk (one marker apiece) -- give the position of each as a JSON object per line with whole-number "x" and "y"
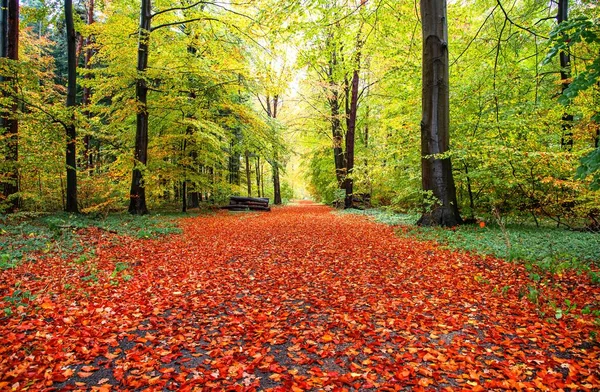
{"x": 257, "y": 169}
{"x": 184, "y": 200}
{"x": 276, "y": 182}
{"x": 234, "y": 159}
{"x": 565, "y": 75}
{"x": 437, "y": 179}
{"x": 262, "y": 183}
{"x": 470, "y": 191}
{"x": 4, "y": 28}
{"x": 184, "y": 184}
{"x": 137, "y": 195}
{"x": 248, "y": 176}
{"x": 87, "y": 93}
{"x": 9, "y": 48}
{"x": 71, "y": 157}
{"x": 336, "y": 126}
{"x": 351, "y": 134}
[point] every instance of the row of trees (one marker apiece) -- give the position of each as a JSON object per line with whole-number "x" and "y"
{"x": 193, "y": 91}
{"x": 185, "y": 113}
{"x": 523, "y": 101}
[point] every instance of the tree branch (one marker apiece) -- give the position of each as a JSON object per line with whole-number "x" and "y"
{"x": 183, "y": 22}
{"x": 518, "y": 25}
{"x": 178, "y": 8}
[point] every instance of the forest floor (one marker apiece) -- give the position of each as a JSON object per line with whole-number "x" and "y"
{"x": 295, "y": 299}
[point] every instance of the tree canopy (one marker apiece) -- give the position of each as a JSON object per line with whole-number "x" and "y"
{"x": 280, "y": 99}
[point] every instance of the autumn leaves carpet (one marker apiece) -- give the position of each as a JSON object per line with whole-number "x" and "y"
{"x": 296, "y": 299}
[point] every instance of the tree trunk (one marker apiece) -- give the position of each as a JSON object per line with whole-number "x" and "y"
{"x": 184, "y": 191}
{"x": 276, "y": 183}
{"x": 437, "y": 179}
{"x": 257, "y": 169}
{"x": 566, "y": 140}
{"x": 9, "y": 48}
{"x": 137, "y": 195}
{"x": 71, "y": 194}
{"x": 336, "y": 126}
{"x": 248, "y": 176}
{"x": 87, "y": 93}
{"x": 351, "y": 134}
{"x": 276, "y": 180}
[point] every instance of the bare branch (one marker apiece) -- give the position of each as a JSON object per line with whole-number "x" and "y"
{"x": 183, "y": 22}
{"x": 475, "y": 37}
{"x": 178, "y": 8}
{"x": 518, "y": 25}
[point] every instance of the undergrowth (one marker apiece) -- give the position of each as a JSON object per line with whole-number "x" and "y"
{"x": 565, "y": 249}
{"x": 24, "y": 236}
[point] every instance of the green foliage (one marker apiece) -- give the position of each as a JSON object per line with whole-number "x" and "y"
{"x": 590, "y": 166}
{"x": 566, "y": 35}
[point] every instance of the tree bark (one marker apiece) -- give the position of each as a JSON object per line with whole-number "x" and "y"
{"x": 437, "y": 179}
{"x": 565, "y": 75}
{"x": 137, "y": 194}
{"x": 9, "y": 48}
{"x": 336, "y": 126}
{"x": 276, "y": 181}
{"x": 248, "y": 176}
{"x": 257, "y": 169}
{"x": 70, "y": 156}
{"x": 87, "y": 93}
{"x": 271, "y": 108}
{"x": 351, "y": 133}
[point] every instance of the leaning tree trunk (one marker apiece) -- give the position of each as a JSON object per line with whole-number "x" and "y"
{"x": 436, "y": 169}
{"x": 71, "y": 193}
{"x": 9, "y": 48}
{"x": 137, "y": 194}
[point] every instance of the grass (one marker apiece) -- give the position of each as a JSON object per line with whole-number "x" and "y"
{"x": 23, "y": 236}
{"x": 551, "y": 249}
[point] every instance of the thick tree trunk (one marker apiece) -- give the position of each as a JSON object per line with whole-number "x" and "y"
{"x": 9, "y": 48}
{"x": 565, "y": 75}
{"x": 87, "y": 93}
{"x": 71, "y": 157}
{"x": 437, "y": 179}
{"x": 137, "y": 194}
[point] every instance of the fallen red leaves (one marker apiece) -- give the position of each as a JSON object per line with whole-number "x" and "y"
{"x": 293, "y": 300}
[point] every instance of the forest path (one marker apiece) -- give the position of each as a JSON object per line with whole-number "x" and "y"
{"x": 296, "y": 299}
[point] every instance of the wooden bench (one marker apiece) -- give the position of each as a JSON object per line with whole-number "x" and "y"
{"x": 239, "y": 203}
